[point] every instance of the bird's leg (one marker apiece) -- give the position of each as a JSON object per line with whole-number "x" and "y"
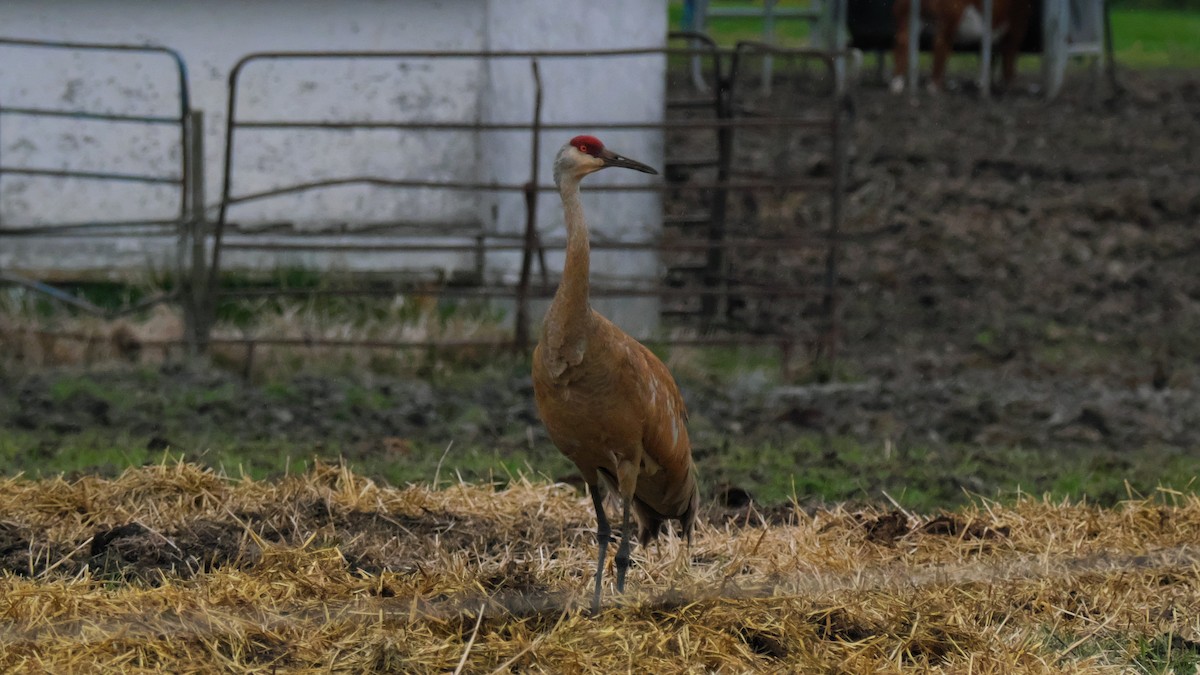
{"x": 627, "y": 475}
{"x": 623, "y": 549}
{"x": 603, "y": 534}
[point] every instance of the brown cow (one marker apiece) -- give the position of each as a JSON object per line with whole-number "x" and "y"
{"x": 962, "y": 21}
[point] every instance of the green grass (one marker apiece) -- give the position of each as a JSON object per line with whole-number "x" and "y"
{"x": 100, "y": 452}
{"x": 248, "y": 311}
{"x": 729, "y": 30}
{"x": 1156, "y": 38}
{"x": 926, "y": 477}
{"x": 1168, "y": 653}
{"x": 65, "y": 389}
{"x": 83, "y": 452}
{"x": 1142, "y": 38}
{"x": 152, "y": 416}
{"x": 358, "y": 310}
{"x": 103, "y": 422}
{"x": 1157, "y": 655}
{"x": 810, "y": 469}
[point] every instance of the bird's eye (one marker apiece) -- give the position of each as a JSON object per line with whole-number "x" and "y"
{"x": 583, "y": 148}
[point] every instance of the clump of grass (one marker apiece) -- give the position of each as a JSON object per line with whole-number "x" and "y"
{"x": 291, "y": 332}
{"x": 66, "y": 338}
{"x": 174, "y": 567}
{"x": 333, "y": 330}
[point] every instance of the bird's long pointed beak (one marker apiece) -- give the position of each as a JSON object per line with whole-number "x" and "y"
{"x": 613, "y": 159}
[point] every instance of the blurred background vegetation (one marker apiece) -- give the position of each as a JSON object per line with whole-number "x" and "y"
{"x": 1146, "y": 33}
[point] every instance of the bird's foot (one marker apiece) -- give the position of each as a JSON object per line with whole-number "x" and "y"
{"x": 623, "y": 563}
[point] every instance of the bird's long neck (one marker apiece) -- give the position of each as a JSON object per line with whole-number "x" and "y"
{"x": 571, "y": 307}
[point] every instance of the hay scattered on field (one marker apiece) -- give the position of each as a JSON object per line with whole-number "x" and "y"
{"x": 176, "y": 568}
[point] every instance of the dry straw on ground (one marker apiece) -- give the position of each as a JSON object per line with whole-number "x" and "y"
{"x": 175, "y": 568}
{"x": 157, "y": 335}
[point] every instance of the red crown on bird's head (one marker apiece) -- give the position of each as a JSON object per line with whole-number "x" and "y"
{"x": 588, "y": 145}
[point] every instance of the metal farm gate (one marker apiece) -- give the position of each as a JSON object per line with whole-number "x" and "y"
{"x": 734, "y": 275}
{"x": 15, "y": 233}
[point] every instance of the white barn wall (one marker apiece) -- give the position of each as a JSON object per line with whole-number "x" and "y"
{"x": 213, "y": 35}
{"x": 611, "y": 89}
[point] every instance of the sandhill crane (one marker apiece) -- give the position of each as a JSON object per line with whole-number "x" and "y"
{"x": 607, "y": 401}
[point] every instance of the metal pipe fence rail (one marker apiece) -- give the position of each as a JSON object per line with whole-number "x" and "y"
{"x": 724, "y": 124}
{"x": 102, "y": 228}
{"x": 204, "y": 243}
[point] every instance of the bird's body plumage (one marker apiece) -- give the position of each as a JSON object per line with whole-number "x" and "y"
{"x": 607, "y": 401}
{"x": 618, "y": 405}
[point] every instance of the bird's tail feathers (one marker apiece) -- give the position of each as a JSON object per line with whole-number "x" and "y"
{"x": 651, "y": 520}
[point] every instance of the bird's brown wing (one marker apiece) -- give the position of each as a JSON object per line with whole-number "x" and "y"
{"x": 667, "y": 484}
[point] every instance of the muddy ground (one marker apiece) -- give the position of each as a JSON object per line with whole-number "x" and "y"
{"x": 1029, "y": 281}
{"x": 1043, "y": 239}
{"x": 1014, "y": 271}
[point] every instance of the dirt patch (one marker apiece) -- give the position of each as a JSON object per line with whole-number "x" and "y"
{"x": 890, "y": 527}
{"x": 1026, "y": 229}
{"x": 764, "y": 643}
{"x": 887, "y": 528}
{"x": 129, "y": 552}
{"x": 1014, "y": 271}
{"x": 837, "y": 624}
{"x": 24, "y": 554}
{"x": 135, "y": 552}
{"x": 951, "y": 526}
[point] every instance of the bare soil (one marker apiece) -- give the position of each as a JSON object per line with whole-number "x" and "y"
{"x": 1024, "y": 226}
{"x": 1017, "y": 273}
{"x": 1014, "y": 271}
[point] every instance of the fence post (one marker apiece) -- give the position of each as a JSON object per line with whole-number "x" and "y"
{"x": 1110, "y": 64}
{"x": 196, "y": 303}
{"x": 828, "y": 352}
{"x": 715, "y": 302}
{"x": 521, "y": 330}
{"x": 985, "y": 53}
{"x": 914, "y": 46}
{"x": 838, "y": 45}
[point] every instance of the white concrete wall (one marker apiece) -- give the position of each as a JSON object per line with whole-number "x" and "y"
{"x": 214, "y": 34}
{"x": 112, "y": 83}
{"x": 577, "y": 91}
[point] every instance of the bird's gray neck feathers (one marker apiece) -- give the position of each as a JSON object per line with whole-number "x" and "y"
{"x": 574, "y": 287}
{"x": 569, "y": 320}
